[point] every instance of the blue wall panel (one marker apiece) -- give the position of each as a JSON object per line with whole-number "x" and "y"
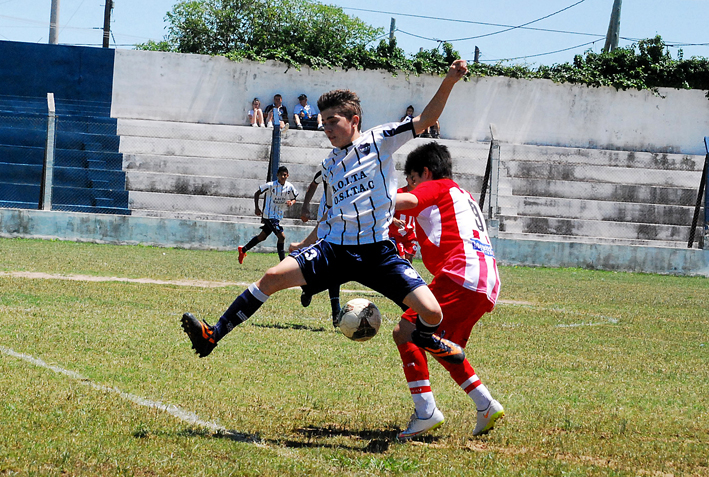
{"x": 70, "y": 72}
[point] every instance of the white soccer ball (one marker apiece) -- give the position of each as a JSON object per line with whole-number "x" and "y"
{"x": 359, "y": 319}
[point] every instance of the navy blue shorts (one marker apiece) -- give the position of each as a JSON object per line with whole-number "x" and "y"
{"x": 271, "y": 226}
{"x": 377, "y": 266}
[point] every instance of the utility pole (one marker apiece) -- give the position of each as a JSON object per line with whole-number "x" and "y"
{"x": 54, "y": 23}
{"x": 477, "y": 55}
{"x": 613, "y": 34}
{"x": 392, "y": 29}
{"x": 107, "y": 22}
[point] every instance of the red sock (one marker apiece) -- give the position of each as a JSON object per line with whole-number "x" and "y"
{"x": 465, "y": 376}
{"x": 416, "y": 372}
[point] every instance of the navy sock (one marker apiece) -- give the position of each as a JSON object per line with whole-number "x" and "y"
{"x": 241, "y": 310}
{"x": 281, "y": 252}
{"x": 334, "y": 293}
{"x": 252, "y": 243}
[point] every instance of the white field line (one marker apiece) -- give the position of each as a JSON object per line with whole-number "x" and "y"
{"x": 183, "y": 415}
{"x": 607, "y": 320}
{"x": 215, "y": 284}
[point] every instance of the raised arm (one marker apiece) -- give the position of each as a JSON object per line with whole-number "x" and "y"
{"x": 305, "y": 208}
{"x": 434, "y": 108}
{"x": 406, "y": 200}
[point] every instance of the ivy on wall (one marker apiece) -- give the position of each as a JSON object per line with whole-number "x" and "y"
{"x": 306, "y": 32}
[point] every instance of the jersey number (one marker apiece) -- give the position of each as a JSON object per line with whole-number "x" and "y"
{"x": 479, "y": 222}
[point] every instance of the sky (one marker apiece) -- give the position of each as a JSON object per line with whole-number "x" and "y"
{"x": 564, "y": 27}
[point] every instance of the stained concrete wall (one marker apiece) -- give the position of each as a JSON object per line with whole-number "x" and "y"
{"x": 203, "y": 89}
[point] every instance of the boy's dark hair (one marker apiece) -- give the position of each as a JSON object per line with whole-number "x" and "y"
{"x": 283, "y": 169}
{"x": 432, "y": 155}
{"x": 344, "y": 101}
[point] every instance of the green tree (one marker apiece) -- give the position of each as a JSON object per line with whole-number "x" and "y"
{"x": 306, "y": 32}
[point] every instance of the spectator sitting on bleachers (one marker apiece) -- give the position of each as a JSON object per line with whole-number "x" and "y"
{"x": 307, "y": 116}
{"x": 433, "y": 131}
{"x": 256, "y": 115}
{"x": 280, "y": 108}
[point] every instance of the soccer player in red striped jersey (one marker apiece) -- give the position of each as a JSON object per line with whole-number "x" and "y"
{"x": 456, "y": 249}
{"x": 403, "y": 228}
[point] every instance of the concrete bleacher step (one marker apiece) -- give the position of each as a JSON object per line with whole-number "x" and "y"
{"x": 172, "y": 204}
{"x": 593, "y": 228}
{"x": 602, "y": 157}
{"x": 650, "y": 194}
{"x": 602, "y": 174}
{"x": 581, "y": 209}
{"x": 596, "y": 240}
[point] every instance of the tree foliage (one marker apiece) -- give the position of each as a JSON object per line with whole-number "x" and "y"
{"x": 306, "y": 32}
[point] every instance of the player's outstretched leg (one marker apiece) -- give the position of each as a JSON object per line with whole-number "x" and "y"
{"x": 204, "y": 337}
{"x": 200, "y": 333}
{"x": 440, "y": 348}
{"x": 488, "y": 417}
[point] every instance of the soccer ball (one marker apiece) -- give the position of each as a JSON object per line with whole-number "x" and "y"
{"x": 359, "y": 319}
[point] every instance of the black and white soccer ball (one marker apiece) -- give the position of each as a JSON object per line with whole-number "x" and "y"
{"x": 359, "y": 319}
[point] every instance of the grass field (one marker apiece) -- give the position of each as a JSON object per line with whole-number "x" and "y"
{"x": 600, "y": 374}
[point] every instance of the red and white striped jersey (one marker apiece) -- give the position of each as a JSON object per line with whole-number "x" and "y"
{"x": 408, "y": 231}
{"x": 453, "y": 238}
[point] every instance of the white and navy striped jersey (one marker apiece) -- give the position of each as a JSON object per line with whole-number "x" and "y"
{"x": 276, "y": 197}
{"x": 360, "y": 183}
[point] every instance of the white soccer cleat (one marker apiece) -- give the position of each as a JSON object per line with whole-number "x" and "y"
{"x": 419, "y": 426}
{"x": 488, "y": 417}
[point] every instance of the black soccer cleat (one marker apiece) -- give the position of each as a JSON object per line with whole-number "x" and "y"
{"x": 440, "y": 348}
{"x": 200, "y": 333}
{"x": 305, "y": 299}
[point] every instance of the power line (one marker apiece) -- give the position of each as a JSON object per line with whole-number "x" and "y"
{"x": 520, "y": 26}
{"x": 474, "y": 22}
{"x": 543, "y": 54}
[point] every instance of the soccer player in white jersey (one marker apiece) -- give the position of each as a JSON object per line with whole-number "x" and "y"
{"x": 352, "y": 241}
{"x": 279, "y": 195}
{"x": 456, "y": 249}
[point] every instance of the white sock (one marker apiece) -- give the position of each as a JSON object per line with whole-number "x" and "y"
{"x": 481, "y": 396}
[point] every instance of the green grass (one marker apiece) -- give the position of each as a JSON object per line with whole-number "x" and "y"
{"x": 600, "y": 373}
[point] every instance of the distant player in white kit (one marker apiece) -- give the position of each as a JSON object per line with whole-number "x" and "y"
{"x": 456, "y": 249}
{"x": 352, "y": 241}
{"x": 279, "y": 195}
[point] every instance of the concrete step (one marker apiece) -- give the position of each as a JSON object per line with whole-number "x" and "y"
{"x": 580, "y": 209}
{"x": 596, "y": 240}
{"x": 244, "y": 219}
{"x": 219, "y": 133}
{"x": 244, "y": 186}
{"x": 208, "y": 167}
{"x": 593, "y": 228}
{"x": 193, "y": 148}
{"x": 647, "y": 194}
{"x": 602, "y": 174}
{"x": 198, "y": 204}
{"x": 602, "y": 157}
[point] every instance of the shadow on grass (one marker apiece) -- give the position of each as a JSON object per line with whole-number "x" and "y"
{"x": 379, "y": 440}
{"x": 289, "y": 326}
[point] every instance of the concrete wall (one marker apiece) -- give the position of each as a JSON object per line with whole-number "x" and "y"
{"x": 203, "y": 89}
{"x": 192, "y": 234}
